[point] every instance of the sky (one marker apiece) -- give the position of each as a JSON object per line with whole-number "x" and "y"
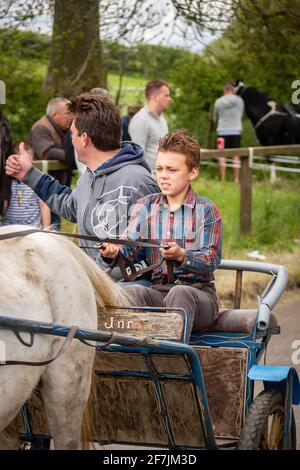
{"x": 170, "y": 37}
{"x": 166, "y": 29}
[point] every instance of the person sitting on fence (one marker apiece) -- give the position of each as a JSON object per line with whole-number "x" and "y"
{"x": 189, "y": 224}
{"x": 21, "y": 205}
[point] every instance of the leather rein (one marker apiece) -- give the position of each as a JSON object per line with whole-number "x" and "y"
{"x": 121, "y": 261}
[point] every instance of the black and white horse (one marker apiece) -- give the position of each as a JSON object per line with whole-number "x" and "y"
{"x": 274, "y": 124}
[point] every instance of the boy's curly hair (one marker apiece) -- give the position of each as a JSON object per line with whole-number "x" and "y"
{"x": 180, "y": 142}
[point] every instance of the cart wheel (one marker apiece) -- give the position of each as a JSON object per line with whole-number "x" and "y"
{"x": 263, "y": 427}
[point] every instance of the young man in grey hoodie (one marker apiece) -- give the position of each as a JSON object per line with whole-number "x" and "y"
{"x": 228, "y": 112}
{"x": 116, "y": 176}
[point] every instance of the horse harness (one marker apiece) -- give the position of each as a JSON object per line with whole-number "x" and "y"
{"x": 120, "y": 261}
{"x": 288, "y": 112}
{"x": 266, "y": 116}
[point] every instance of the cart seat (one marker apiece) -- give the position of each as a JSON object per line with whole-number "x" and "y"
{"x": 241, "y": 321}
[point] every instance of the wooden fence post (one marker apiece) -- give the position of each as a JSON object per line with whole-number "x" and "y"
{"x": 245, "y": 196}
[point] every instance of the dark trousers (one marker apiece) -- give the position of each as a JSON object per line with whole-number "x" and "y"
{"x": 199, "y": 300}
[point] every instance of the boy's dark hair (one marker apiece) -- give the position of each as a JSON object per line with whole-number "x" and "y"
{"x": 15, "y": 147}
{"x": 153, "y": 86}
{"x": 180, "y": 142}
{"x": 99, "y": 118}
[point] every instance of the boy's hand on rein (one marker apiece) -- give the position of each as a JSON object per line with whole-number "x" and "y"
{"x": 109, "y": 250}
{"x": 174, "y": 252}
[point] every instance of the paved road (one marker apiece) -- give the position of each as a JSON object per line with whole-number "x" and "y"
{"x": 280, "y": 349}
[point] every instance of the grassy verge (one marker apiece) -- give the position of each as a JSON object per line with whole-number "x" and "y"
{"x": 275, "y": 215}
{"x": 275, "y": 233}
{"x": 132, "y": 90}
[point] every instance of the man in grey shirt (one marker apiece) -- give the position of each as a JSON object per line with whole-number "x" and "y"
{"x": 148, "y": 125}
{"x": 228, "y": 112}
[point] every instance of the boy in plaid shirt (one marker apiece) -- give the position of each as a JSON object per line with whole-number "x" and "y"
{"x": 189, "y": 224}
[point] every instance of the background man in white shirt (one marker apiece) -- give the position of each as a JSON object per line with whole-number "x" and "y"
{"x": 148, "y": 125}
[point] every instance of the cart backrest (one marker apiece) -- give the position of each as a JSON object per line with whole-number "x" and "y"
{"x": 150, "y": 322}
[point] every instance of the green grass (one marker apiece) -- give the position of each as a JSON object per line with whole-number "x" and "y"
{"x": 132, "y": 90}
{"x": 132, "y": 86}
{"x": 275, "y": 208}
{"x": 275, "y": 215}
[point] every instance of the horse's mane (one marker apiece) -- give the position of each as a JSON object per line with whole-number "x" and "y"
{"x": 256, "y": 97}
{"x": 256, "y": 103}
{"x": 107, "y": 293}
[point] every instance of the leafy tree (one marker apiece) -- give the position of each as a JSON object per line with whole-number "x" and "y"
{"x": 267, "y": 44}
{"x": 259, "y": 43}
{"x": 196, "y": 84}
{"x": 76, "y": 57}
{"x": 23, "y": 74}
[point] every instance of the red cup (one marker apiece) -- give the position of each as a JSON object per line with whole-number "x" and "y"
{"x": 220, "y": 143}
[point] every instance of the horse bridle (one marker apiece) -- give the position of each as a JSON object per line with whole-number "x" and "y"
{"x": 239, "y": 89}
{"x": 121, "y": 261}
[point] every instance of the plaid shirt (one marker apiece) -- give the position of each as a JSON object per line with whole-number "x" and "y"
{"x": 196, "y": 226}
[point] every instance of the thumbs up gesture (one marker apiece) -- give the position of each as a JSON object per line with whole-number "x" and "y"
{"x": 18, "y": 165}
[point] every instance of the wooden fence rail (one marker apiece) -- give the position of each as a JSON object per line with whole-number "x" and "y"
{"x": 245, "y": 154}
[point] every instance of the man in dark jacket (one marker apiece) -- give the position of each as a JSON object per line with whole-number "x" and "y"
{"x": 48, "y": 137}
{"x": 117, "y": 174}
{"x": 5, "y": 151}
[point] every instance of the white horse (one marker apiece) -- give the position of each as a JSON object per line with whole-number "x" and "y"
{"x": 48, "y": 278}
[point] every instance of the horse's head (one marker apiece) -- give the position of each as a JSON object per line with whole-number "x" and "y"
{"x": 238, "y": 87}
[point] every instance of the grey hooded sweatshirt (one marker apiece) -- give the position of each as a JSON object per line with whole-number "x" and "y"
{"x": 103, "y": 200}
{"x": 228, "y": 112}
